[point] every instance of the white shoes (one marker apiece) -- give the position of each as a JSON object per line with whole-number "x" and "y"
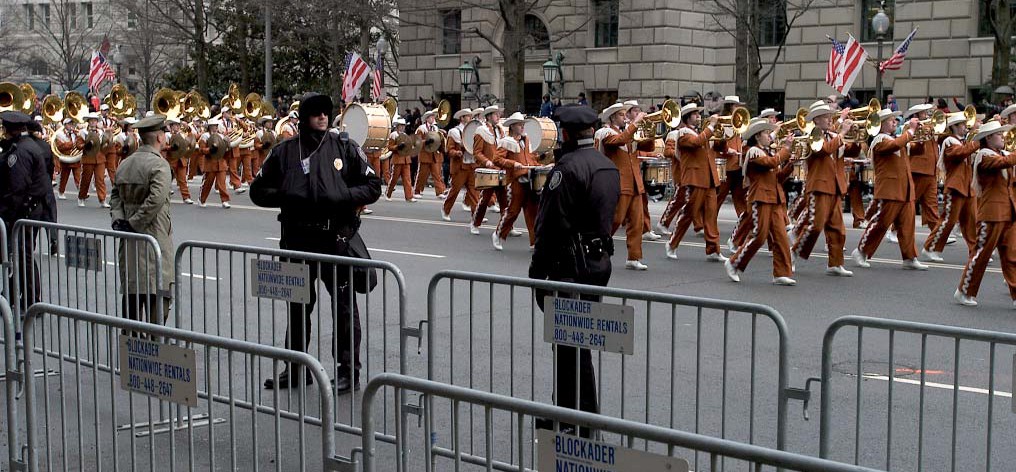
{"x": 498, "y": 242}
{"x": 388, "y": 198}
{"x": 716, "y": 257}
{"x": 651, "y": 236}
{"x": 863, "y": 224}
{"x": 700, "y": 233}
{"x": 514, "y": 233}
{"x": 62, "y": 196}
{"x": 466, "y": 207}
{"x": 242, "y": 189}
{"x": 105, "y": 204}
{"x": 785, "y": 281}
{"x": 732, "y": 271}
{"x": 496, "y": 209}
{"x": 671, "y": 253}
{"x": 418, "y": 195}
{"x": 188, "y": 201}
{"x": 931, "y": 256}
{"x": 860, "y": 259}
{"x": 914, "y": 264}
{"x": 635, "y": 265}
{"x": 839, "y": 271}
{"x": 893, "y": 238}
{"x": 446, "y": 216}
{"x": 203, "y": 205}
{"x": 950, "y": 241}
{"x": 964, "y": 299}
{"x": 81, "y": 202}
{"x": 368, "y": 211}
{"x": 226, "y": 205}
{"x": 660, "y": 229}
{"x": 474, "y": 229}
{"x": 414, "y": 200}
{"x": 730, "y": 244}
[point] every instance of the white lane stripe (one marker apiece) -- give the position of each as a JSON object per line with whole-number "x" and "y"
{"x": 196, "y": 276}
{"x": 392, "y": 251}
{"x": 982, "y": 391}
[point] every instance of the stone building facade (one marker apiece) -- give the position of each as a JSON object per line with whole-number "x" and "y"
{"x": 646, "y": 49}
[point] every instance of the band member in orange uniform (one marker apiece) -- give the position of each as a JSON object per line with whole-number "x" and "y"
{"x": 68, "y": 140}
{"x": 400, "y": 162}
{"x": 461, "y": 166}
{"x": 616, "y": 140}
{"x": 430, "y": 162}
{"x": 484, "y": 151}
{"x": 517, "y": 161}
{"x": 214, "y": 165}
{"x": 93, "y": 163}
{"x": 923, "y": 160}
{"x": 960, "y": 202}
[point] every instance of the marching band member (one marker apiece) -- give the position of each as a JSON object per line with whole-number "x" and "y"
{"x": 824, "y": 190}
{"x": 730, "y": 149}
{"x": 246, "y": 151}
{"x": 996, "y": 212}
{"x": 923, "y": 160}
{"x": 68, "y": 140}
{"x": 400, "y": 162}
{"x": 616, "y": 140}
{"x": 517, "y": 160}
{"x": 289, "y": 128}
{"x": 644, "y": 150}
{"x": 196, "y": 155}
{"x": 429, "y": 163}
{"x": 214, "y": 165}
{"x": 677, "y": 199}
{"x": 960, "y": 203}
{"x": 177, "y": 150}
{"x": 461, "y": 167}
{"x": 484, "y": 151}
{"x": 855, "y": 187}
{"x": 264, "y": 140}
{"x": 93, "y": 163}
{"x": 111, "y": 153}
{"x": 699, "y": 179}
{"x": 894, "y": 193}
{"x": 768, "y": 204}
{"x": 232, "y": 157}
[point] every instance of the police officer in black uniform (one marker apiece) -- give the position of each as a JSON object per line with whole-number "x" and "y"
{"x": 321, "y": 180}
{"x": 23, "y": 188}
{"x": 573, "y": 237}
{"x": 48, "y": 212}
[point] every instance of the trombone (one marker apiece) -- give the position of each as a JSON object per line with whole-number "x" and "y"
{"x": 737, "y": 121}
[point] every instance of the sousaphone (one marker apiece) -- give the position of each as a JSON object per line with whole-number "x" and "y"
{"x": 75, "y": 107}
{"x": 29, "y": 93}
{"x": 12, "y": 98}
{"x": 166, "y": 102}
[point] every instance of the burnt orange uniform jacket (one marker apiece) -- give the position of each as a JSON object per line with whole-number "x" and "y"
{"x": 619, "y": 146}
{"x": 825, "y": 169}
{"x": 958, "y": 173}
{"x": 995, "y": 199}
{"x": 75, "y": 141}
{"x": 698, "y": 167}
{"x": 923, "y": 157}
{"x": 454, "y": 150}
{"x": 209, "y": 163}
{"x": 763, "y": 175}
{"x": 511, "y": 151}
{"x": 892, "y": 168}
{"x": 729, "y": 150}
{"x": 428, "y": 157}
{"x": 485, "y": 145}
{"x": 94, "y": 155}
{"x": 398, "y": 157}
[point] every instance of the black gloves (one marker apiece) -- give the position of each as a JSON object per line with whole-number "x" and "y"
{"x": 123, "y": 225}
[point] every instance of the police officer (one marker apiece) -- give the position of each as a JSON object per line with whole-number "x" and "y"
{"x": 23, "y": 188}
{"x": 320, "y": 181}
{"x": 140, "y": 204}
{"x": 573, "y": 237}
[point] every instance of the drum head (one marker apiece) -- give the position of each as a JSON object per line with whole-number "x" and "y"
{"x": 354, "y": 120}
{"x": 534, "y": 133}
{"x": 468, "y": 133}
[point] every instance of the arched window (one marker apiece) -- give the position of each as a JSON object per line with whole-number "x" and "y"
{"x": 537, "y": 36}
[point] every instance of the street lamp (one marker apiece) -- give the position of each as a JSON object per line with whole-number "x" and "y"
{"x": 382, "y": 50}
{"x": 118, "y": 60}
{"x": 470, "y": 78}
{"x": 552, "y": 74}
{"x": 880, "y": 26}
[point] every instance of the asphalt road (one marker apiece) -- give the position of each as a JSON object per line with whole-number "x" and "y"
{"x": 500, "y": 331}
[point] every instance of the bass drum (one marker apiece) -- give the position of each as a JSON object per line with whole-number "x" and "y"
{"x": 468, "y": 133}
{"x": 367, "y": 125}
{"x": 542, "y": 135}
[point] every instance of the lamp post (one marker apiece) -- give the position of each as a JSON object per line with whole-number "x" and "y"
{"x": 469, "y": 76}
{"x": 552, "y": 75}
{"x": 880, "y": 26}
{"x": 382, "y": 51}
{"x": 118, "y": 60}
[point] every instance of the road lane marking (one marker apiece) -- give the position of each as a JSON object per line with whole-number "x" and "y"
{"x": 197, "y": 276}
{"x": 392, "y": 251}
{"x": 982, "y": 391}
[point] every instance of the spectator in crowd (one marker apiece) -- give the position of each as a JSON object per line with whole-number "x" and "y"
{"x": 890, "y": 103}
{"x": 546, "y": 108}
{"x": 555, "y": 103}
{"x": 582, "y": 99}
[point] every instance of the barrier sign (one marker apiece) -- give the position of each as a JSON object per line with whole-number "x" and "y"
{"x": 571, "y": 453}
{"x": 160, "y": 370}
{"x": 592, "y": 325}
{"x": 287, "y": 281}
{"x": 84, "y": 252}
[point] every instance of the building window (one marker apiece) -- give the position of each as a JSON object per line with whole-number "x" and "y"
{"x": 868, "y": 10}
{"x": 38, "y": 66}
{"x": 72, "y": 16}
{"x": 984, "y": 26}
{"x": 451, "y": 31}
{"x": 29, "y": 17}
{"x": 605, "y": 22}
{"x": 83, "y": 66}
{"x": 774, "y": 100}
{"x": 86, "y": 9}
{"x": 772, "y": 16}
{"x": 132, "y": 20}
{"x": 537, "y": 36}
{"x": 45, "y": 16}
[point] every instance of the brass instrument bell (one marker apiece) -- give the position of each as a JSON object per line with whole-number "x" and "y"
{"x": 738, "y": 121}
{"x": 391, "y": 105}
{"x": 75, "y": 107}
{"x": 166, "y": 102}
{"x": 29, "y": 101}
{"x": 12, "y": 98}
{"x": 929, "y": 129}
{"x": 443, "y": 113}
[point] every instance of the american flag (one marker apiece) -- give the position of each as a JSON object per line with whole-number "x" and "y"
{"x": 377, "y": 90}
{"x": 835, "y": 56}
{"x": 99, "y": 71}
{"x": 896, "y": 60}
{"x": 848, "y": 65}
{"x": 356, "y": 73}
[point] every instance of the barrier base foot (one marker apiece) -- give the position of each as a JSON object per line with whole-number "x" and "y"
{"x": 164, "y": 426}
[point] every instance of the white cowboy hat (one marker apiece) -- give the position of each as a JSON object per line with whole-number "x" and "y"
{"x": 917, "y": 109}
{"x": 67, "y": 121}
{"x": 609, "y": 111}
{"x": 92, "y": 116}
{"x": 632, "y": 104}
{"x": 691, "y": 107}
{"x": 130, "y": 120}
{"x": 491, "y": 109}
{"x": 886, "y": 113}
{"x": 955, "y": 119}
{"x": 172, "y": 121}
{"x": 38, "y": 118}
{"x": 818, "y": 109}
{"x": 213, "y": 122}
{"x": 104, "y": 107}
{"x": 294, "y": 114}
{"x": 462, "y": 112}
{"x": 756, "y": 126}
{"x": 428, "y": 113}
{"x": 991, "y": 128}
{"x": 516, "y": 117}
{"x": 398, "y": 121}
{"x": 767, "y": 113}
{"x": 1008, "y": 111}
{"x": 734, "y": 99}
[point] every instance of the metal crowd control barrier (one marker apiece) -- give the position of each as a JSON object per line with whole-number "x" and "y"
{"x": 659, "y": 441}
{"x": 10, "y": 370}
{"x": 245, "y": 293}
{"x": 82, "y": 268}
{"x": 697, "y": 363}
{"x": 5, "y": 260}
{"x": 923, "y": 361}
{"x": 72, "y": 420}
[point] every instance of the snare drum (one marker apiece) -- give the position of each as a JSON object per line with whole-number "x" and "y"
{"x": 868, "y": 174}
{"x": 489, "y": 178}
{"x": 721, "y": 168}
{"x": 538, "y": 178}
{"x": 542, "y": 134}
{"x": 656, "y": 172}
{"x": 367, "y": 125}
{"x": 800, "y": 172}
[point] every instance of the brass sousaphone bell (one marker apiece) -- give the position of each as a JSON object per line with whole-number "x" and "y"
{"x": 392, "y": 106}
{"x": 75, "y": 107}
{"x": 443, "y": 113}
{"x": 12, "y": 98}
{"x": 166, "y": 103}
{"x": 52, "y": 109}
{"x": 29, "y": 102}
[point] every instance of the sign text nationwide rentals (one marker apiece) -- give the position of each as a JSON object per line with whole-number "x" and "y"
{"x": 286, "y": 281}
{"x": 592, "y": 325}
{"x": 566, "y": 453}
{"x": 160, "y": 370}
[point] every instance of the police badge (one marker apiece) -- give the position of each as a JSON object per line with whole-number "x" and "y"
{"x": 337, "y": 163}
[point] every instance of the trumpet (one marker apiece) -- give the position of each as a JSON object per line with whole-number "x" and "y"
{"x": 738, "y": 121}
{"x": 798, "y": 123}
{"x": 803, "y": 146}
{"x": 669, "y": 115}
{"x": 856, "y": 134}
{"x": 969, "y": 113}
{"x": 1010, "y": 141}
{"x": 930, "y": 128}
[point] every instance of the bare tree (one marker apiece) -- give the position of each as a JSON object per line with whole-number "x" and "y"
{"x": 1000, "y": 23}
{"x": 67, "y": 34}
{"x": 741, "y": 19}
{"x": 182, "y": 21}
{"x": 148, "y": 51}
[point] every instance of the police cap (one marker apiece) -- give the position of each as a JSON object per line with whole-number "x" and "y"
{"x": 150, "y": 123}
{"x": 15, "y": 118}
{"x": 576, "y": 117}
